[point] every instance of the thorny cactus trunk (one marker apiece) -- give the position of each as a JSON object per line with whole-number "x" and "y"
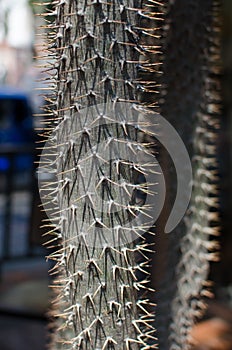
{"x": 107, "y": 53}
{"x": 97, "y": 47}
{"x": 191, "y": 102}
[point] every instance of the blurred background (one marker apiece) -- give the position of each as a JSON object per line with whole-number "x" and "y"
{"x": 24, "y": 280}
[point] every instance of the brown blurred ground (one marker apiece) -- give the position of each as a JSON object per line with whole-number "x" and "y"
{"x": 24, "y": 298}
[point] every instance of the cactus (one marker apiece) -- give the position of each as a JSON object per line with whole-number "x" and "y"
{"x": 96, "y": 48}
{"x": 104, "y": 58}
{"x": 191, "y": 102}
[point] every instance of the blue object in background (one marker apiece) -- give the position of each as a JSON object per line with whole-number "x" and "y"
{"x": 16, "y": 127}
